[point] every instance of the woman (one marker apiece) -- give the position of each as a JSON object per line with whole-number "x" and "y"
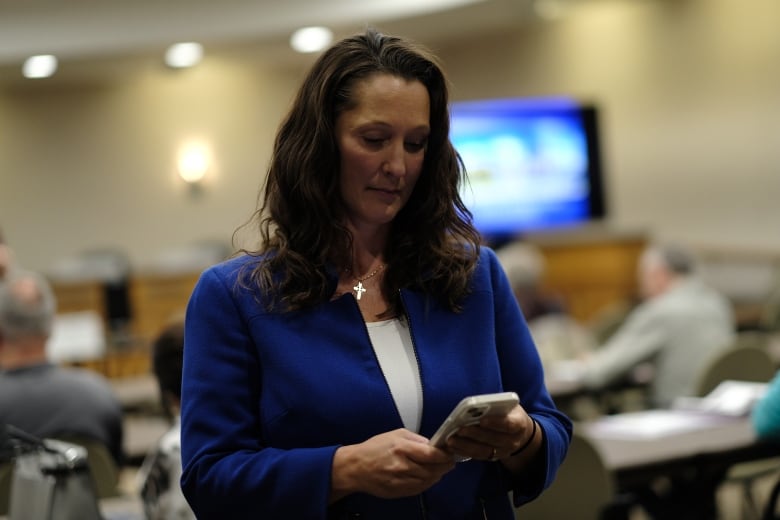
{"x": 317, "y": 367}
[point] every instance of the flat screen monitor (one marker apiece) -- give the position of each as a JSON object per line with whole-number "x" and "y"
{"x": 532, "y": 164}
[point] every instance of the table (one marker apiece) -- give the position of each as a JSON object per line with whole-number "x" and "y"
{"x": 639, "y": 447}
{"x": 139, "y": 392}
{"x": 570, "y": 394}
{"x": 141, "y": 434}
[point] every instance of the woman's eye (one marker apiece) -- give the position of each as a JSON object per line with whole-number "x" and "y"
{"x": 415, "y": 147}
{"x": 374, "y": 141}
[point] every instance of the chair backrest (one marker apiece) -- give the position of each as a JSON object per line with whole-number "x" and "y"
{"x": 583, "y": 487}
{"x": 770, "y": 313}
{"x": 103, "y": 470}
{"x": 102, "y": 466}
{"x": 770, "y": 508}
{"x": 741, "y": 363}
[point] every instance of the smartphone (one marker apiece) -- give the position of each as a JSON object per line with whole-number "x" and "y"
{"x": 470, "y": 410}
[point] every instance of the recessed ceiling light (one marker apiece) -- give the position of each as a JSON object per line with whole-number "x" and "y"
{"x": 41, "y": 66}
{"x": 311, "y": 39}
{"x": 181, "y": 55}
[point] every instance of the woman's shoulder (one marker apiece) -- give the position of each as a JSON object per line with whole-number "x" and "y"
{"x": 488, "y": 273}
{"x": 233, "y": 267}
{"x": 488, "y": 261}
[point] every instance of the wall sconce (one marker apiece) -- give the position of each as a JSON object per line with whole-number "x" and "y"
{"x": 193, "y": 162}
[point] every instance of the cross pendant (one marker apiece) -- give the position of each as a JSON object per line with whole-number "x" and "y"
{"x": 359, "y": 290}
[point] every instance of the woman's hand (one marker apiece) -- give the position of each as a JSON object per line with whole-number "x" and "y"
{"x": 390, "y": 465}
{"x": 498, "y": 438}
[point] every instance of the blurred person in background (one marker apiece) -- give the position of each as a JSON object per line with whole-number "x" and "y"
{"x": 160, "y": 472}
{"x": 37, "y": 396}
{"x": 766, "y": 412}
{"x": 678, "y": 327}
{"x": 524, "y": 264}
{"x": 558, "y": 336}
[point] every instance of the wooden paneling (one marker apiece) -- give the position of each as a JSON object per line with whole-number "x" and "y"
{"x": 592, "y": 274}
{"x": 80, "y": 296}
{"x": 155, "y": 299}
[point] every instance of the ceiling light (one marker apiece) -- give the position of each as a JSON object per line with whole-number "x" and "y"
{"x": 311, "y": 39}
{"x": 181, "y": 55}
{"x": 41, "y": 66}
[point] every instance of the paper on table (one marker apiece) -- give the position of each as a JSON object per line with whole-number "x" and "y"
{"x": 730, "y": 397}
{"x": 651, "y": 424}
{"x": 76, "y": 336}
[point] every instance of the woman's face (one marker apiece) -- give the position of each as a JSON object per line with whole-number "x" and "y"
{"x": 382, "y": 142}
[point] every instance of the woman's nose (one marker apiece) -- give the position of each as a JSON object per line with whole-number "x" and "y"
{"x": 395, "y": 161}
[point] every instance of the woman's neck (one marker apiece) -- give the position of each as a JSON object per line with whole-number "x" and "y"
{"x": 368, "y": 246}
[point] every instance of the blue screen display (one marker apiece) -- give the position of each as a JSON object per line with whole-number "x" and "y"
{"x": 530, "y": 163}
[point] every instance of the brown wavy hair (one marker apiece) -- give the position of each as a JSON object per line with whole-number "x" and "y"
{"x": 433, "y": 245}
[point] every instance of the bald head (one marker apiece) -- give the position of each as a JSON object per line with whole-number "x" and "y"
{"x": 27, "y": 307}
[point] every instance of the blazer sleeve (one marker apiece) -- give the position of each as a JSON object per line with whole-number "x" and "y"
{"x": 522, "y": 372}
{"x": 227, "y": 468}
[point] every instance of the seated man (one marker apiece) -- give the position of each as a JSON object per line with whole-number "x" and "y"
{"x": 678, "y": 327}
{"x": 36, "y": 396}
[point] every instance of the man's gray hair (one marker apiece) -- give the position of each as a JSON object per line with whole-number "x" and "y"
{"x": 27, "y": 306}
{"x": 677, "y": 258}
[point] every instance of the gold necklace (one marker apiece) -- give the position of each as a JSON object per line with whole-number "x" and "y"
{"x": 359, "y": 288}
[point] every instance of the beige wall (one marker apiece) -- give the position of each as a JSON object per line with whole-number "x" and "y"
{"x": 689, "y": 93}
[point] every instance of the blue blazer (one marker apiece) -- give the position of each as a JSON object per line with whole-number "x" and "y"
{"x": 267, "y": 398}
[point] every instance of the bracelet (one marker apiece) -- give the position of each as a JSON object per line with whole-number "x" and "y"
{"x": 528, "y": 442}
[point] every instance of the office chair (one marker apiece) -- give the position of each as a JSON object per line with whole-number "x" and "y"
{"x": 584, "y": 488}
{"x": 103, "y": 470}
{"x": 740, "y": 362}
{"x": 102, "y": 466}
{"x": 746, "y": 360}
{"x": 770, "y": 312}
{"x": 770, "y": 509}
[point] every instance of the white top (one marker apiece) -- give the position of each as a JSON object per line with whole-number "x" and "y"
{"x": 394, "y": 350}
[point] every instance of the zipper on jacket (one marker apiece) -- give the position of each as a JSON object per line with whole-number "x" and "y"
{"x": 414, "y": 349}
{"x": 420, "y": 497}
{"x": 423, "y": 509}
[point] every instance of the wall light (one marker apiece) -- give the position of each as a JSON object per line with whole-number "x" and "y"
{"x": 193, "y": 161}
{"x": 182, "y": 55}
{"x": 41, "y": 66}
{"x": 311, "y": 39}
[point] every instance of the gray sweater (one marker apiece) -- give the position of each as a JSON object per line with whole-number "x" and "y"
{"x": 48, "y": 401}
{"x": 678, "y": 331}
